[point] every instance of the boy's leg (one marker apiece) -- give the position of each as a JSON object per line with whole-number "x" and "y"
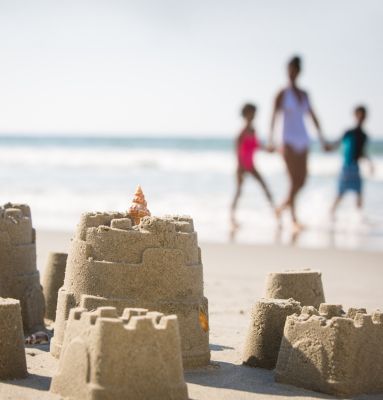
{"x": 336, "y": 204}
{"x": 359, "y": 200}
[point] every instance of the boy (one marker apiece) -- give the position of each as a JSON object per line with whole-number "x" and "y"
{"x": 354, "y": 143}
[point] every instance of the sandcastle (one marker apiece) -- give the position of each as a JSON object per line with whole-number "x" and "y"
{"x": 53, "y": 279}
{"x": 19, "y": 278}
{"x": 266, "y": 330}
{"x": 12, "y": 354}
{"x": 304, "y": 286}
{"x": 331, "y": 352}
{"x": 135, "y": 356}
{"x": 154, "y": 265}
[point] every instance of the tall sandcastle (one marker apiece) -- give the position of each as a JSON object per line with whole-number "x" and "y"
{"x": 155, "y": 264}
{"x": 329, "y": 351}
{"x": 265, "y": 333}
{"x": 19, "y": 278}
{"x": 133, "y": 356}
{"x": 53, "y": 279}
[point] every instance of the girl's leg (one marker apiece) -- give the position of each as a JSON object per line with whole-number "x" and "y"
{"x": 239, "y": 181}
{"x": 259, "y": 178}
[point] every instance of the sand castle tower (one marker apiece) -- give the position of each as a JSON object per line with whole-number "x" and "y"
{"x": 304, "y": 286}
{"x": 331, "y": 352}
{"x": 53, "y": 279}
{"x": 12, "y": 355}
{"x": 265, "y": 333}
{"x": 135, "y": 356}
{"x": 154, "y": 265}
{"x": 19, "y": 278}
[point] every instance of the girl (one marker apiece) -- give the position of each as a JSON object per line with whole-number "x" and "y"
{"x": 247, "y": 144}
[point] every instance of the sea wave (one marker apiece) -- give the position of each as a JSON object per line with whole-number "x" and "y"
{"x": 61, "y": 181}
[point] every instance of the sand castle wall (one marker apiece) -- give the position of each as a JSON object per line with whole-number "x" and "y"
{"x": 19, "y": 278}
{"x": 12, "y": 354}
{"x": 154, "y": 265}
{"x": 333, "y": 353}
{"x": 135, "y": 356}
{"x": 265, "y": 333}
{"x": 53, "y": 279}
{"x": 304, "y": 286}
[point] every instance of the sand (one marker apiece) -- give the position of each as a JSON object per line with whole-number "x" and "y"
{"x": 234, "y": 278}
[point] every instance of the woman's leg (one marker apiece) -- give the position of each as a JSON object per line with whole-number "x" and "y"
{"x": 296, "y": 163}
{"x": 239, "y": 181}
{"x": 259, "y": 178}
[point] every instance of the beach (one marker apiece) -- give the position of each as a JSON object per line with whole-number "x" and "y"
{"x": 234, "y": 277}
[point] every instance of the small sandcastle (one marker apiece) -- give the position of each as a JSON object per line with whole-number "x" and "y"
{"x": 333, "y": 352}
{"x": 133, "y": 356}
{"x": 12, "y": 354}
{"x": 304, "y": 286}
{"x": 132, "y": 259}
{"x": 19, "y": 278}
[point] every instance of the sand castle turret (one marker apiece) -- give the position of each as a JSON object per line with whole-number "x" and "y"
{"x": 135, "y": 356}
{"x": 304, "y": 286}
{"x": 154, "y": 265}
{"x": 265, "y": 333}
{"x": 12, "y": 355}
{"x": 19, "y": 278}
{"x": 331, "y": 352}
{"x": 53, "y": 279}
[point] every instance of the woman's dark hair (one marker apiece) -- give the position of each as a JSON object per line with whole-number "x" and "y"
{"x": 248, "y": 107}
{"x": 295, "y": 62}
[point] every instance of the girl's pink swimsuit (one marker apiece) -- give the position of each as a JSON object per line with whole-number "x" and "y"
{"x": 247, "y": 146}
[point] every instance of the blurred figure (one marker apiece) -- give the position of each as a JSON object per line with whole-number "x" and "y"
{"x": 293, "y": 103}
{"x": 247, "y": 144}
{"x": 354, "y": 143}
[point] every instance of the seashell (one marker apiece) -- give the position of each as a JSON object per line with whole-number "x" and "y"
{"x": 138, "y": 208}
{"x": 37, "y": 338}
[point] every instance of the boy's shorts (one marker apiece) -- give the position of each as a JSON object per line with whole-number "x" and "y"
{"x": 350, "y": 180}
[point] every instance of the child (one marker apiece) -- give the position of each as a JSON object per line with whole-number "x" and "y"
{"x": 247, "y": 144}
{"x": 354, "y": 143}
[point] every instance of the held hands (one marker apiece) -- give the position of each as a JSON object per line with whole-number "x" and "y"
{"x": 270, "y": 147}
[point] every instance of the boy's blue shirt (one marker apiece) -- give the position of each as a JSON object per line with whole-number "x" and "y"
{"x": 353, "y": 146}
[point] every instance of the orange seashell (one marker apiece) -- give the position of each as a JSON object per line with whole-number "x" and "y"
{"x": 138, "y": 208}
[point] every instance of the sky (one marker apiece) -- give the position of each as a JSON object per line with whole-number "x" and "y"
{"x": 177, "y": 67}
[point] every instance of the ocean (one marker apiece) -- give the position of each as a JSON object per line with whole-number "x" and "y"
{"x": 62, "y": 177}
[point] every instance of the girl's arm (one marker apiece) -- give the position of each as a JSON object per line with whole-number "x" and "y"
{"x": 277, "y": 107}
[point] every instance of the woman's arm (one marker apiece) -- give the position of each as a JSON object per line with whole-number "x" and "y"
{"x": 277, "y": 107}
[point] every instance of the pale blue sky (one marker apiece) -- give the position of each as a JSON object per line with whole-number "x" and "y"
{"x": 183, "y": 67}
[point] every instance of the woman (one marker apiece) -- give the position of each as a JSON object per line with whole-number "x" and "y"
{"x": 293, "y": 103}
